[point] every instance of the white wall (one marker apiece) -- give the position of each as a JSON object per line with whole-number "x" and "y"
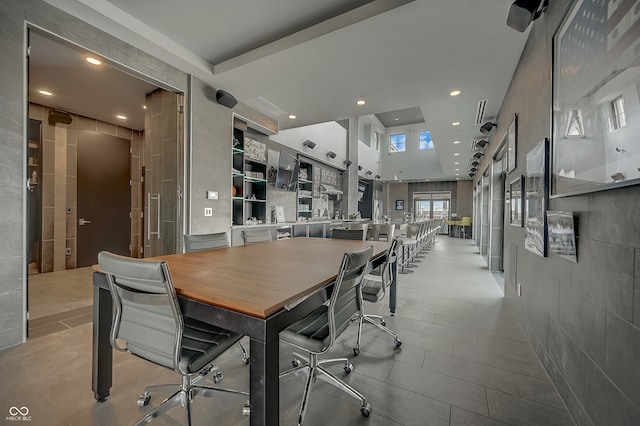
{"x": 368, "y": 155}
{"x": 412, "y": 163}
{"x": 328, "y": 136}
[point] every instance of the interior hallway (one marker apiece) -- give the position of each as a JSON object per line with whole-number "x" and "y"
{"x": 464, "y": 360}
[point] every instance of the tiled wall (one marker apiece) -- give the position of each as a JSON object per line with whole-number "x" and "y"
{"x": 583, "y": 318}
{"x": 59, "y": 180}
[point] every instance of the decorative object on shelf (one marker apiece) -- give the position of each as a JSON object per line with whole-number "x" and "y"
{"x": 561, "y": 235}
{"x": 595, "y": 101}
{"x": 255, "y": 150}
{"x": 512, "y": 144}
{"x": 516, "y": 201}
{"x": 233, "y": 191}
{"x": 278, "y": 214}
{"x": 399, "y": 204}
{"x": 536, "y": 199}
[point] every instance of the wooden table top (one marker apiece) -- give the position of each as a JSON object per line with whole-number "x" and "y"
{"x": 260, "y": 279}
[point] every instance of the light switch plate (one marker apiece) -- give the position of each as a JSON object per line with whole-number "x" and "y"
{"x": 212, "y": 195}
{"x": 208, "y": 211}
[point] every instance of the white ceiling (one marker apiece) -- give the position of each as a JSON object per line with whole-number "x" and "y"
{"x": 315, "y": 58}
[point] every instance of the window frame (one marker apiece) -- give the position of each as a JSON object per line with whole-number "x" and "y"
{"x": 430, "y": 144}
{"x": 394, "y": 149}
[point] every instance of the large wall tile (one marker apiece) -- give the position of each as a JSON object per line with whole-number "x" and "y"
{"x": 636, "y": 290}
{"x": 605, "y": 275}
{"x": 568, "y": 357}
{"x": 622, "y": 356}
{"x": 583, "y": 318}
{"x": 613, "y": 216}
{"x": 572, "y": 403}
{"x": 604, "y": 402}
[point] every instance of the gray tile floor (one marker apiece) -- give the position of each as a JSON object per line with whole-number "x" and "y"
{"x": 464, "y": 361}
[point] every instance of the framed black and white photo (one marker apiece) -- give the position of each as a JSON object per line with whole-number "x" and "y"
{"x": 536, "y": 199}
{"x": 516, "y": 201}
{"x": 596, "y": 107}
{"x": 399, "y": 204}
{"x": 512, "y": 136}
{"x": 562, "y": 235}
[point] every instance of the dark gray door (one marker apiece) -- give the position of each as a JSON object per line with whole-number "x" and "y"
{"x": 104, "y": 196}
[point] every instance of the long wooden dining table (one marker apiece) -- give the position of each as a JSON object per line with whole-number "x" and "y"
{"x": 256, "y": 290}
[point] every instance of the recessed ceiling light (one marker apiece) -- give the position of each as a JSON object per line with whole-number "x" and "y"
{"x": 457, "y": 178}
{"x": 454, "y": 93}
{"x": 144, "y": 107}
{"x": 456, "y": 163}
{"x": 361, "y": 101}
{"x": 457, "y": 174}
{"x": 456, "y": 154}
{"x": 121, "y": 117}
{"x": 456, "y": 142}
{"x": 292, "y": 116}
{"x": 45, "y": 92}
{"x": 396, "y": 119}
{"x": 93, "y": 61}
{"x": 457, "y": 170}
{"x": 455, "y": 123}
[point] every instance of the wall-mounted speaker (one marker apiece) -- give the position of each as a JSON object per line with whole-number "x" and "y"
{"x": 225, "y": 98}
{"x": 56, "y": 116}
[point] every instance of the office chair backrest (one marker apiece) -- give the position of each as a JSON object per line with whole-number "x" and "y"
{"x": 386, "y": 272}
{"x": 384, "y": 231}
{"x": 252, "y": 236}
{"x": 348, "y": 234}
{"x": 147, "y": 316}
{"x": 346, "y": 297}
{"x": 412, "y": 230}
{"x": 203, "y": 242}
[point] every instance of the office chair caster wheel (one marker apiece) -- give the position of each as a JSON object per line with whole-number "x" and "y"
{"x": 366, "y": 410}
{"x": 398, "y": 343}
{"x": 245, "y": 361}
{"x": 217, "y": 377}
{"x": 295, "y": 363}
{"x": 383, "y": 323}
{"x": 143, "y": 400}
{"x": 356, "y": 351}
{"x": 348, "y": 368}
{"x": 246, "y": 409}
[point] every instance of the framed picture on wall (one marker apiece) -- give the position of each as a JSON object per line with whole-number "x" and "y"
{"x": 516, "y": 201}
{"x": 536, "y": 199}
{"x": 512, "y": 136}
{"x": 399, "y": 204}
{"x": 596, "y": 109}
{"x": 562, "y": 235}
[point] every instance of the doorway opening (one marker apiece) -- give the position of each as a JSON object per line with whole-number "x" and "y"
{"x": 99, "y": 140}
{"x": 432, "y": 205}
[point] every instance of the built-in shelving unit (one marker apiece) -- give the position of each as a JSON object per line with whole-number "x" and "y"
{"x": 249, "y": 178}
{"x": 305, "y": 190}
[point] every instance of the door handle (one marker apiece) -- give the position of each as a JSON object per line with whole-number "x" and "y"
{"x": 83, "y": 222}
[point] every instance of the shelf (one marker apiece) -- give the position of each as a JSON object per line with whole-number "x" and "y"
{"x": 255, "y": 160}
{"x": 305, "y": 197}
{"x": 253, "y": 179}
{"x": 237, "y": 198}
{"x": 255, "y": 201}
{"x": 305, "y": 181}
{"x": 237, "y": 151}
